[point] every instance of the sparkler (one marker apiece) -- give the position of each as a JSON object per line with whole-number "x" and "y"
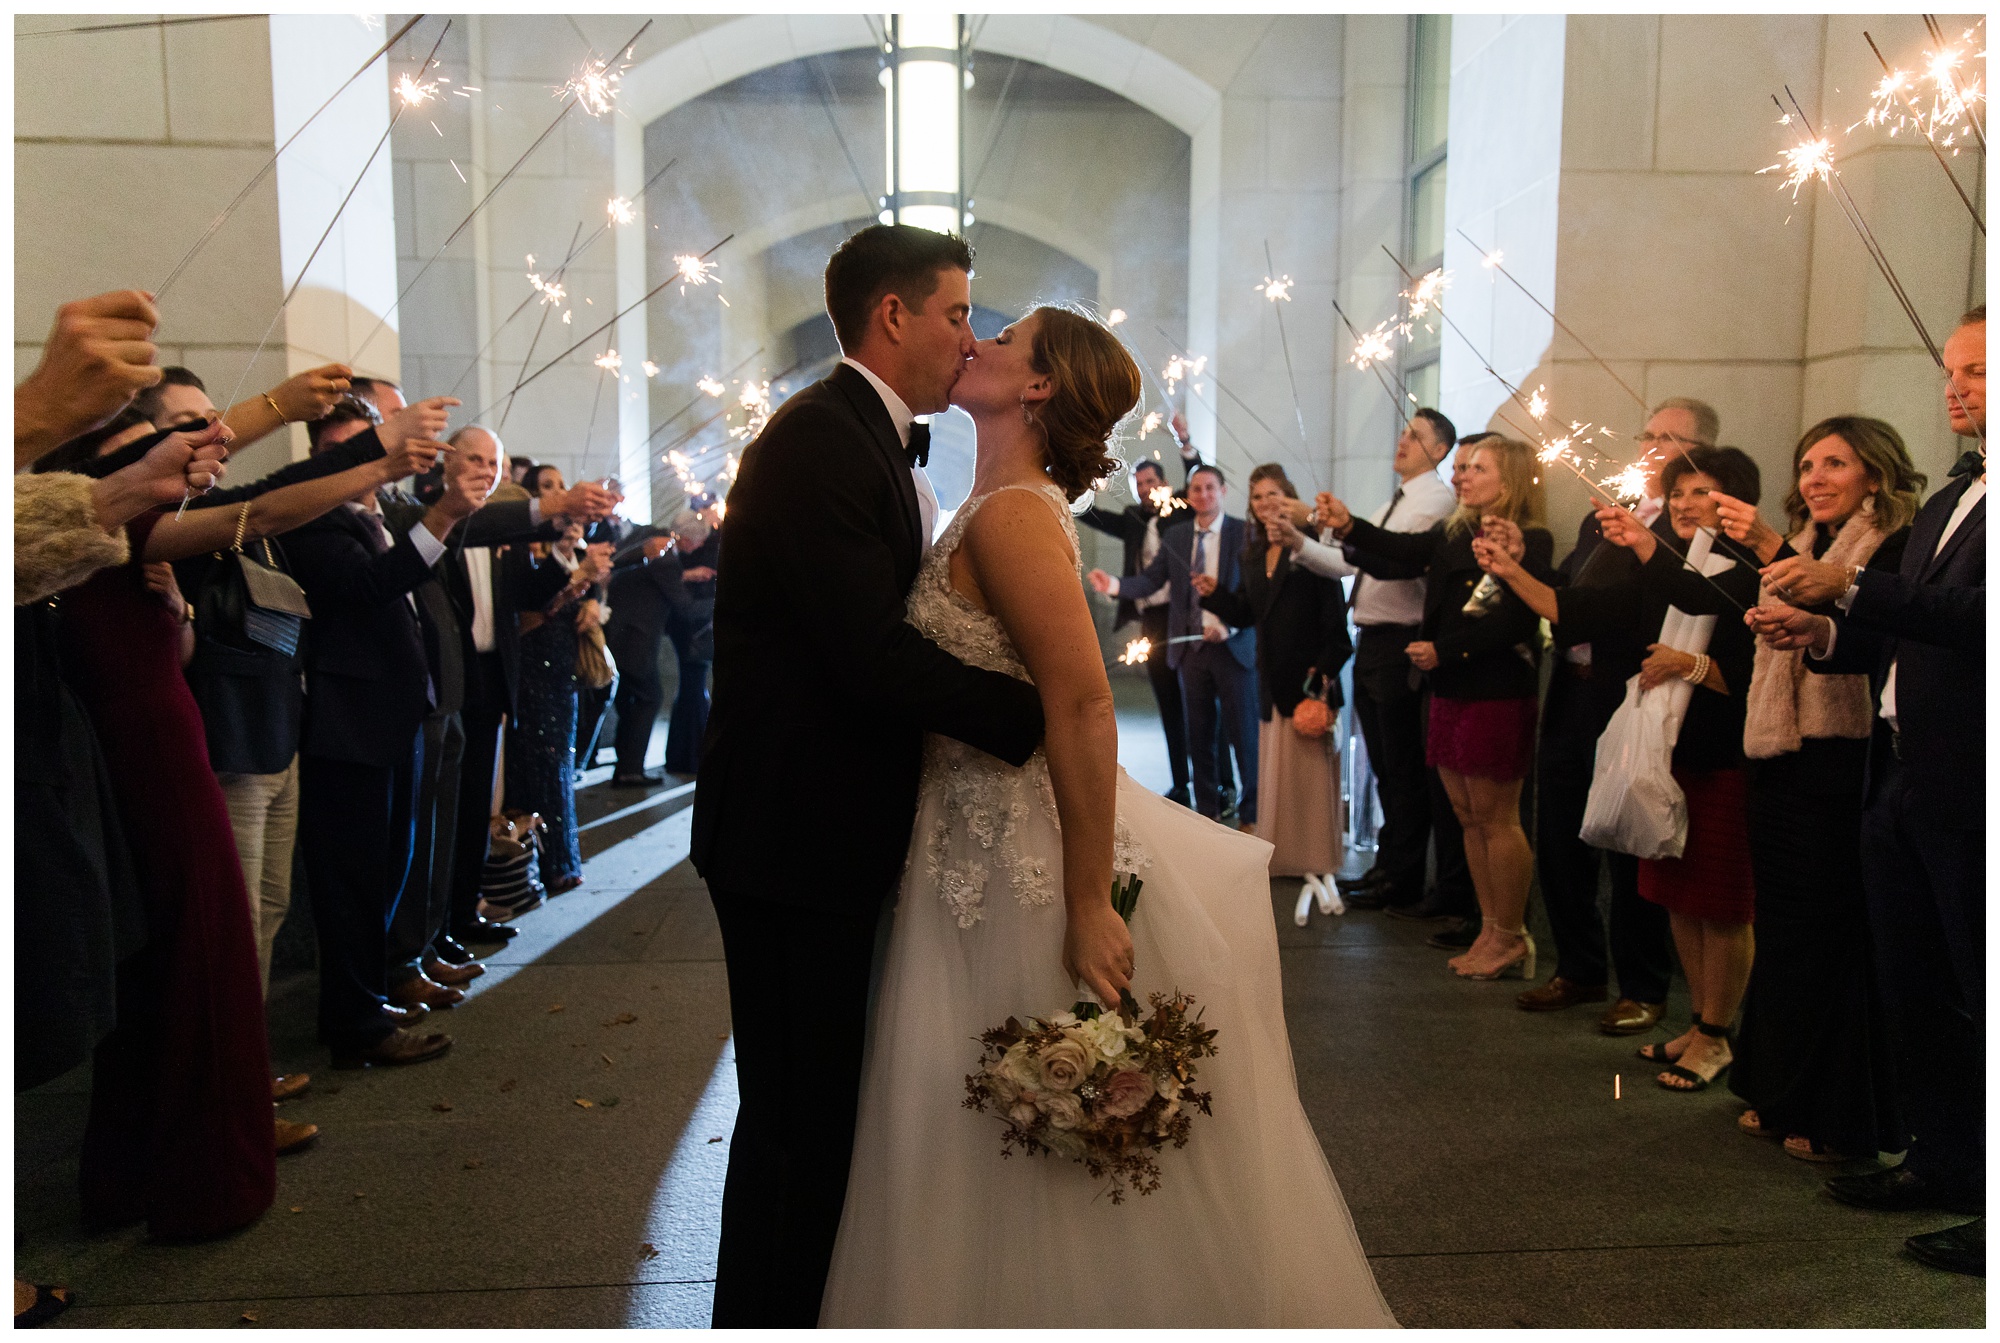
{"x": 1192, "y": 367}
{"x": 1538, "y": 404}
{"x": 620, "y": 210}
{"x": 652, "y": 369}
{"x": 1373, "y": 362}
{"x": 1492, "y": 262}
{"x": 1114, "y": 317}
{"x": 1945, "y": 59}
{"x": 1893, "y": 92}
{"x": 692, "y": 270}
{"x": 595, "y": 86}
{"x": 1427, "y": 293}
{"x": 1150, "y": 423}
{"x": 1377, "y": 346}
{"x": 609, "y": 361}
{"x": 415, "y": 92}
{"x": 710, "y": 387}
{"x": 1181, "y": 369}
{"x": 1802, "y": 163}
{"x": 569, "y": 103}
{"x": 1276, "y": 291}
{"x": 1136, "y": 652}
{"x": 160, "y": 290}
{"x": 755, "y": 398}
{"x": 1164, "y": 500}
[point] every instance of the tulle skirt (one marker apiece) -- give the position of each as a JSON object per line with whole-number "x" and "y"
{"x": 1248, "y": 1227}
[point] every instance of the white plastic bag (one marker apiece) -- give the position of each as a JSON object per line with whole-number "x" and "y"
{"x": 1635, "y": 806}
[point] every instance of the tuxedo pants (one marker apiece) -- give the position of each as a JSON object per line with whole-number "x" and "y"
{"x": 1575, "y": 716}
{"x": 357, "y": 825}
{"x": 1216, "y": 689}
{"x": 471, "y": 822}
{"x": 1166, "y": 683}
{"x": 420, "y": 915}
{"x": 798, "y": 1001}
{"x": 638, "y": 701}
{"x": 1925, "y": 884}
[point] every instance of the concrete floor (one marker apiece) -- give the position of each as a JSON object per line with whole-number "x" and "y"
{"x": 1494, "y": 1179}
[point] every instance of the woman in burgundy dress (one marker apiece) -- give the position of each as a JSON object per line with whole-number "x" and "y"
{"x": 180, "y": 1128}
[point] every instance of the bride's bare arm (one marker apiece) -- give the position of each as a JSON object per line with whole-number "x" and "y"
{"x": 1020, "y": 561}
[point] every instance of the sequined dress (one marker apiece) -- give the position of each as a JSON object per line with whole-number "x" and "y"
{"x": 939, "y": 1230}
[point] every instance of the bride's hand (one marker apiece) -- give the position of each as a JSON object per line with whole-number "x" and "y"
{"x": 1097, "y": 950}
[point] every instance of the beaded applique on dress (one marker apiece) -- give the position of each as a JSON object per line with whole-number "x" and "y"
{"x": 985, "y": 800}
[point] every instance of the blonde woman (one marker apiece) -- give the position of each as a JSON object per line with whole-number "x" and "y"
{"x": 1481, "y": 648}
{"x": 1813, "y": 1056}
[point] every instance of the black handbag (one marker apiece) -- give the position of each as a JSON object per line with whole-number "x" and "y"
{"x": 245, "y": 601}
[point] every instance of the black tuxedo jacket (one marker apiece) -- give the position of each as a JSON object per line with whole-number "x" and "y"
{"x": 1301, "y": 622}
{"x": 1128, "y": 524}
{"x": 822, "y": 690}
{"x": 1172, "y": 569}
{"x": 1928, "y": 620}
{"x": 644, "y": 597}
{"x": 367, "y": 675}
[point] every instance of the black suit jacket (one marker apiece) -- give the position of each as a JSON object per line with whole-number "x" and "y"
{"x": 1928, "y": 620}
{"x": 367, "y": 675}
{"x": 822, "y": 690}
{"x": 1129, "y": 524}
{"x": 1301, "y": 622}
{"x": 644, "y": 597}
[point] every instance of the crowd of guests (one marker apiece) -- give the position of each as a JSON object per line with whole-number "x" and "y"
{"x": 1823, "y": 676}
{"x": 373, "y": 659}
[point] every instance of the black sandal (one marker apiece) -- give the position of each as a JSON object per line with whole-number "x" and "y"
{"x": 1684, "y": 1074}
{"x": 49, "y": 1303}
{"x": 1657, "y": 1051}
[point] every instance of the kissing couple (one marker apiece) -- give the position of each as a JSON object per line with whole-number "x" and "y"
{"x": 923, "y": 731}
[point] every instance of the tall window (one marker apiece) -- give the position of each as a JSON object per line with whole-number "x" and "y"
{"x": 1423, "y": 214}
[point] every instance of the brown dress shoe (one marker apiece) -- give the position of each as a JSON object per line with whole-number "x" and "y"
{"x": 290, "y": 1085}
{"x": 427, "y": 991}
{"x": 1557, "y": 994}
{"x": 292, "y": 1137}
{"x": 395, "y": 1048}
{"x": 444, "y": 972}
{"x": 1626, "y": 1017}
{"x": 405, "y": 1016}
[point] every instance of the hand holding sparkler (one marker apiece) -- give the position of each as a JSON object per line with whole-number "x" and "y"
{"x": 1203, "y": 584}
{"x": 1806, "y": 582}
{"x": 189, "y": 464}
{"x": 1283, "y": 531}
{"x": 1621, "y": 527}
{"x": 1100, "y": 582}
{"x": 1332, "y": 514}
{"x": 1494, "y": 558}
{"x": 1505, "y": 534}
{"x": 1178, "y": 424}
{"x": 1741, "y": 524}
{"x": 412, "y": 456}
{"x": 420, "y": 419}
{"x": 97, "y": 356}
{"x": 1786, "y": 628}
{"x": 586, "y": 501}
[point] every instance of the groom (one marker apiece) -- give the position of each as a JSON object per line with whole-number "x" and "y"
{"x": 808, "y": 782}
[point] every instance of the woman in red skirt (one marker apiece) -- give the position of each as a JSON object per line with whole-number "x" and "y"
{"x": 1481, "y": 648}
{"x": 1708, "y": 891}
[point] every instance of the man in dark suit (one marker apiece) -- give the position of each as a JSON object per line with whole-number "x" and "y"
{"x": 368, "y": 690}
{"x": 1217, "y": 666}
{"x": 666, "y": 589}
{"x": 1920, "y": 634}
{"x": 1138, "y": 526}
{"x": 822, "y": 695}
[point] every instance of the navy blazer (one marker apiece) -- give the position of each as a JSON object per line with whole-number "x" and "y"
{"x": 1928, "y": 620}
{"x": 1172, "y": 568}
{"x": 367, "y": 675}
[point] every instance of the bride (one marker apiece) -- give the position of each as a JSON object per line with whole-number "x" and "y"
{"x": 1005, "y": 908}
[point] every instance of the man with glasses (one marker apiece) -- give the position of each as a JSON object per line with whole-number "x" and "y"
{"x": 1578, "y": 707}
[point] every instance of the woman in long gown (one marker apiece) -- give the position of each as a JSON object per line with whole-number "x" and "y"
{"x": 1005, "y": 906}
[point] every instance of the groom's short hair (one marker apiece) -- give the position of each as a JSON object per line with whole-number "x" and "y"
{"x": 884, "y": 259}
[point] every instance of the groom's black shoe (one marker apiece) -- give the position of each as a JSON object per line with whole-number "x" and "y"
{"x": 1898, "y": 1190}
{"x": 1956, "y": 1249}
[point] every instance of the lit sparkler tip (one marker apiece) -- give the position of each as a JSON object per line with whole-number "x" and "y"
{"x": 1139, "y": 650}
{"x": 1802, "y": 163}
{"x": 1150, "y": 423}
{"x": 1538, "y": 403}
{"x": 595, "y": 87}
{"x": 1114, "y": 317}
{"x": 1425, "y": 293}
{"x": 1491, "y": 259}
{"x": 1628, "y": 484}
{"x": 1274, "y": 290}
{"x": 652, "y": 369}
{"x": 620, "y": 210}
{"x": 693, "y": 270}
{"x": 710, "y": 387}
{"x": 609, "y": 361}
{"x": 415, "y": 92}
{"x": 1375, "y": 347}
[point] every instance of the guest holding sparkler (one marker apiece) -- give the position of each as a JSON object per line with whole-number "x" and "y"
{"x": 1920, "y": 633}
{"x": 1138, "y": 526}
{"x": 1708, "y": 891}
{"x": 1480, "y": 647}
{"x": 1301, "y": 623}
{"x": 1813, "y": 1052}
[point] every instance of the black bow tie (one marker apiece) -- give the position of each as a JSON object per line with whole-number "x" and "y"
{"x": 1969, "y": 464}
{"x": 920, "y": 443}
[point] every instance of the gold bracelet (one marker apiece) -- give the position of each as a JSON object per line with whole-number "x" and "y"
{"x": 275, "y": 407}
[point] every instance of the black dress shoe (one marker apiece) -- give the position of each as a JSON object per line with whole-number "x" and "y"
{"x": 1374, "y": 876}
{"x": 643, "y": 780}
{"x": 451, "y": 951}
{"x": 1898, "y": 1190}
{"x": 1457, "y": 937}
{"x": 1956, "y": 1249}
{"x": 482, "y": 929}
{"x": 1369, "y": 897}
{"x": 1179, "y": 795}
{"x": 1430, "y": 906}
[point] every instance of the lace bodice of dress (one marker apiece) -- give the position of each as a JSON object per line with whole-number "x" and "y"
{"x": 976, "y": 830}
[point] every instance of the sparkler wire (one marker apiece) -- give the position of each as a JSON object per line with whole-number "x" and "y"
{"x": 1286, "y": 345}
{"x": 1374, "y": 366}
{"x": 704, "y": 396}
{"x": 161, "y": 22}
{"x": 1231, "y": 395}
{"x": 1493, "y": 262}
{"x": 251, "y": 185}
{"x": 608, "y": 324}
{"x": 569, "y": 104}
{"x": 1918, "y": 119}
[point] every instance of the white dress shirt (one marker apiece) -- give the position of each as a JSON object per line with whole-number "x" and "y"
{"x": 1420, "y": 503}
{"x": 900, "y": 416}
{"x": 479, "y": 576}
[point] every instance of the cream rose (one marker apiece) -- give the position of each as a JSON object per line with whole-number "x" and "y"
{"x": 1064, "y": 1064}
{"x": 1064, "y": 1110}
{"x": 1125, "y": 1093}
{"x": 1022, "y": 1114}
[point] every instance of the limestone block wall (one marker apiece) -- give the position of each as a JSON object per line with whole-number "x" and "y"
{"x": 116, "y": 177}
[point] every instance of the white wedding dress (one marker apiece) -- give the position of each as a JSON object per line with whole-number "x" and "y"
{"x": 1247, "y": 1228}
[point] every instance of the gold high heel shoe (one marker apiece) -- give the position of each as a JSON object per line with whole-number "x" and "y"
{"x": 1521, "y": 967}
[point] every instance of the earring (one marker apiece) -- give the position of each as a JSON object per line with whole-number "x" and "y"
{"x": 1027, "y": 416}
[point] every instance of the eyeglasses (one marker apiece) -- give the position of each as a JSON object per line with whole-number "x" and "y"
{"x": 1670, "y": 440}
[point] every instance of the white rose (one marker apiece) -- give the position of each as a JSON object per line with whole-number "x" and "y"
{"x": 1000, "y": 1088}
{"x": 1019, "y": 1067}
{"x": 1064, "y": 1110}
{"x": 1063, "y": 1064}
{"x": 1022, "y": 1114}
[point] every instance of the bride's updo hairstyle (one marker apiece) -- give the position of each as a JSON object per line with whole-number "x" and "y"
{"x": 1095, "y": 384}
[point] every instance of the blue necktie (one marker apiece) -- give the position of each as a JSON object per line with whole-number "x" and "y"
{"x": 1200, "y": 566}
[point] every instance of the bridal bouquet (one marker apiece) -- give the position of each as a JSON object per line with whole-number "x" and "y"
{"x": 1105, "y": 1090}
